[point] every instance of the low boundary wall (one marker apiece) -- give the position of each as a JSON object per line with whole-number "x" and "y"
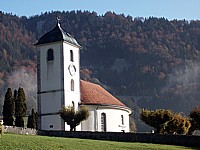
{"x": 19, "y": 130}
{"x": 181, "y": 140}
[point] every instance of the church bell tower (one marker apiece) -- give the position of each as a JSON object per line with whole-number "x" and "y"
{"x": 58, "y": 77}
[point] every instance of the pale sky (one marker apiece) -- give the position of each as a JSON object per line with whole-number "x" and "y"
{"x": 170, "y": 9}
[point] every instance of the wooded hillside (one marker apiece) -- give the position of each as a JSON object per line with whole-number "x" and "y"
{"x": 145, "y": 62}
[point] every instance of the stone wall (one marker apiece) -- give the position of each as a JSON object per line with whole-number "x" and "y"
{"x": 19, "y": 130}
{"x": 182, "y": 140}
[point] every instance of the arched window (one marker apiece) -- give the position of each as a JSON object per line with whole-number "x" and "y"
{"x": 71, "y": 56}
{"x": 103, "y": 122}
{"x": 72, "y": 85}
{"x": 122, "y": 119}
{"x": 50, "y": 55}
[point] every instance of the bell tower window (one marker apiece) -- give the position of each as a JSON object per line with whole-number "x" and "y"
{"x": 71, "y": 56}
{"x": 72, "y": 85}
{"x": 50, "y": 55}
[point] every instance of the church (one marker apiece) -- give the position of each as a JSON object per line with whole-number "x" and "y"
{"x": 59, "y": 84}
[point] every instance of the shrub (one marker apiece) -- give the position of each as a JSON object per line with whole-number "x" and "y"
{"x": 165, "y": 121}
{"x": 178, "y": 124}
{"x": 72, "y": 117}
{"x": 195, "y": 119}
{"x": 156, "y": 119}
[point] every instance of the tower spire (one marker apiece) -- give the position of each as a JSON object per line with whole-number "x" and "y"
{"x": 58, "y": 20}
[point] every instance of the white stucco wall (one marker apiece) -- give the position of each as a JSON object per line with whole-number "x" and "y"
{"x": 51, "y": 102}
{"x": 113, "y": 119}
{"x": 71, "y": 95}
{"x": 55, "y": 83}
{"x": 50, "y": 73}
{"x": 51, "y": 122}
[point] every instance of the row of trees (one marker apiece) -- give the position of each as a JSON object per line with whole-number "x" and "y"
{"x": 15, "y": 105}
{"x": 167, "y": 121}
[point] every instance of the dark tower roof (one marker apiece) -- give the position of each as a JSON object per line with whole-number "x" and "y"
{"x": 55, "y": 35}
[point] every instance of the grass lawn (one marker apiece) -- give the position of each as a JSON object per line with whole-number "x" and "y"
{"x": 34, "y": 142}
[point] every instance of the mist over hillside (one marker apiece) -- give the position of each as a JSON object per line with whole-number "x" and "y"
{"x": 146, "y": 62}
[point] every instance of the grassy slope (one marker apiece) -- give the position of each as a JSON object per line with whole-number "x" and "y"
{"x": 26, "y": 142}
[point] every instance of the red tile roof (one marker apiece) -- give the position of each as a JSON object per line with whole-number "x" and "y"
{"x": 93, "y": 94}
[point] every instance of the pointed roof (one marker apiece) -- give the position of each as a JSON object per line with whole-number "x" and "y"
{"x": 57, "y": 34}
{"x": 93, "y": 94}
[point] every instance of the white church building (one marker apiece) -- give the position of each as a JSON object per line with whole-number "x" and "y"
{"x": 59, "y": 85}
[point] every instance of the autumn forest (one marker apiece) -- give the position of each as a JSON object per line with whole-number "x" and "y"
{"x": 146, "y": 62}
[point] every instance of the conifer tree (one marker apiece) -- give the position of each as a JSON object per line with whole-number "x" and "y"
{"x": 32, "y": 120}
{"x": 20, "y": 107}
{"x": 8, "y": 108}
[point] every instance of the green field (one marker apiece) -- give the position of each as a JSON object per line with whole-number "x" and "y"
{"x": 34, "y": 142}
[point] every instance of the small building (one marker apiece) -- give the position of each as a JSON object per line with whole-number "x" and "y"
{"x": 59, "y": 84}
